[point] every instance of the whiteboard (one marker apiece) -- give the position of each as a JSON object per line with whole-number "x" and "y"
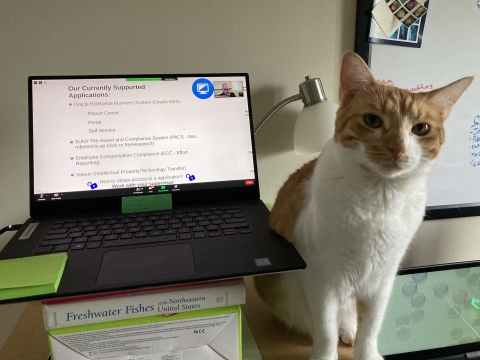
{"x": 450, "y": 51}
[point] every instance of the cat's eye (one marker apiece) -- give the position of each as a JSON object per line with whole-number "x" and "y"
{"x": 372, "y": 121}
{"x": 420, "y": 129}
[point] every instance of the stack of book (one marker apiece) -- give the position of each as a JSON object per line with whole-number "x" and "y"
{"x": 195, "y": 321}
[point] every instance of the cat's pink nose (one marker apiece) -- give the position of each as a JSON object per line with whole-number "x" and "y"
{"x": 397, "y": 151}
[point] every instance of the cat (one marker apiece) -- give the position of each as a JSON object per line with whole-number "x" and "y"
{"x": 352, "y": 212}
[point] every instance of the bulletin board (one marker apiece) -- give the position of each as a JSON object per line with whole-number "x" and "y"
{"x": 450, "y": 50}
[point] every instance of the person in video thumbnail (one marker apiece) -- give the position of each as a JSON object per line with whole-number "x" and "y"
{"x": 226, "y": 91}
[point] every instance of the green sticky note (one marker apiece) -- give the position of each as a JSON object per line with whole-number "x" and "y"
{"x": 131, "y": 204}
{"x": 269, "y": 206}
{"x": 31, "y": 276}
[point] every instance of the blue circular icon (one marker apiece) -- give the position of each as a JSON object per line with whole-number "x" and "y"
{"x": 202, "y": 88}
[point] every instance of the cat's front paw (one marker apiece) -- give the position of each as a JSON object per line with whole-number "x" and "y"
{"x": 346, "y": 335}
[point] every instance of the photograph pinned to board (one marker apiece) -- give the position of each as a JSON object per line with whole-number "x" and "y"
{"x": 398, "y": 22}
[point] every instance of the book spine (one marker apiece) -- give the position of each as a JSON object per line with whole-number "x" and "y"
{"x": 160, "y": 302}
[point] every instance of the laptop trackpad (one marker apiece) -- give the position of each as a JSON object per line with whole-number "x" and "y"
{"x": 146, "y": 264}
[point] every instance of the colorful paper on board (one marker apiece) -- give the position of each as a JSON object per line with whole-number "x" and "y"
{"x": 398, "y": 22}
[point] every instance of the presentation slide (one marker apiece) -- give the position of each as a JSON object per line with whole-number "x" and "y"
{"x": 91, "y": 134}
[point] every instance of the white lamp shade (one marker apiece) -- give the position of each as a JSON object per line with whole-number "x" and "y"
{"x": 315, "y": 126}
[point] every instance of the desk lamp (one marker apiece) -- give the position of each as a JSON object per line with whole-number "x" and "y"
{"x": 315, "y": 124}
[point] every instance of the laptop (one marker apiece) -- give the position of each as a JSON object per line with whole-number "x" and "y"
{"x": 433, "y": 313}
{"x": 146, "y": 180}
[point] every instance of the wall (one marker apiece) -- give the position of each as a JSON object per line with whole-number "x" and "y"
{"x": 277, "y": 41}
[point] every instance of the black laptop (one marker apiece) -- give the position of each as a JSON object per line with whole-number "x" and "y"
{"x": 146, "y": 180}
{"x": 433, "y": 313}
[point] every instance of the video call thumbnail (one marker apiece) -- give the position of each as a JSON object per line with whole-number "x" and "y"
{"x": 225, "y": 89}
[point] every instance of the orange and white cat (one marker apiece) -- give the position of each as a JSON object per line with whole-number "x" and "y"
{"x": 352, "y": 212}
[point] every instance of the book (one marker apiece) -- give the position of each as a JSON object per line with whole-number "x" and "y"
{"x": 68, "y": 312}
{"x": 30, "y": 276}
{"x": 204, "y": 334}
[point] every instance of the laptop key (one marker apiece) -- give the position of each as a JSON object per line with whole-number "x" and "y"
{"x": 198, "y": 228}
{"x": 104, "y": 227}
{"x": 176, "y": 226}
{"x": 230, "y": 232}
{"x": 79, "y": 246}
{"x": 90, "y": 233}
{"x": 135, "y": 229}
{"x": 185, "y": 236}
{"x": 96, "y": 238}
{"x": 75, "y": 229}
{"x": 148, "y": 228}
{"x": 80, "y": 239}
{"x": 54, "y": 237}
{"x": 233, "y": 226}
{"x": 203, "y": 223}
{"x": 56, "y": 242}
{"x": 94, "y": 245}
{"x": 118, "y": 226}
{"x": 226, "y": 216}
{"x": 85, "y": 223}
{"x": 155, "y": 233}
{"x": 170, "y": 232}
{"x": 126, "y": 236}
{"x": 57, "y": 231}
{"x": 60, "y": 248}
{"x": 217, "y": 222}
{"x": 184, "y": 231}
{"x": 235, "y": 211}
{"x": 245, "y": 231}
{"x": 235, "y": 220}
{"x": 75, "y": 234}
{"x": 89, "y": 228}
{"x": 44, "y": 250}
{"x": 199, "y": 235}
{"x": 238, "y": 215}
{"x": 141, "y": 234}
{"x": 104, "y": 232}
{"x": 162, "y": 227}
{"x": 215, "y": 233}
{"x": 54, "y": 227}
{"x": 212, "y": 227}
{"x": 145, "y": 240}
{"x": 111, "y": 237}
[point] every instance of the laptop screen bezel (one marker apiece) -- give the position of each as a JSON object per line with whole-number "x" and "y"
{"x": 114, "y": 203}
{"x": 437, "y": 352}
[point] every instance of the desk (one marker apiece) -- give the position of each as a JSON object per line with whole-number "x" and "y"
{"x": 273, "y": 339}
{"x": 28, "y": 339}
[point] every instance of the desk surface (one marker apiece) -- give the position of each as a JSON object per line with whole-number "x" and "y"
{"x": 28, "y": 339}
{"x": 273, "y": 339}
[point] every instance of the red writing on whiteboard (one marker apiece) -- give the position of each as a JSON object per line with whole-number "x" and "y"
{"x": 420, "y": 87}
{"x": 386, "y": 82}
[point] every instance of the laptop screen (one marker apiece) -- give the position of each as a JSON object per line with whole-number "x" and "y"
{"x": 432, "y": 310}
{"x": 111, "y": 136}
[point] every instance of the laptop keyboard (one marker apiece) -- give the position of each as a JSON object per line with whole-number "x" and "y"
{"x": 143, "y": 228}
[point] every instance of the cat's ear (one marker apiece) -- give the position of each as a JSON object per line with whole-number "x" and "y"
{"x": 445, "y": 97}
{"x": 354, "y": 76}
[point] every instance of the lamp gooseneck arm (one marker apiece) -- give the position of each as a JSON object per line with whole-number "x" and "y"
{"x": 277, "y": 107}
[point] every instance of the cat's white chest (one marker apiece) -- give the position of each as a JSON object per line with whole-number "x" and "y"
{"x": 357, "y": 223}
